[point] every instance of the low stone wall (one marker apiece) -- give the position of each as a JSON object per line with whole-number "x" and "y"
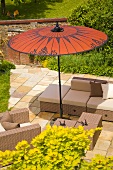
{"x": 11, "y": 28}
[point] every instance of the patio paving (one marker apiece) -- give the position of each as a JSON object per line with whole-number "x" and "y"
{"x": 27, "y": 83}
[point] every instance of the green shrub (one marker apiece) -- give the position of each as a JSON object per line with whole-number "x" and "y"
{"x": 56, "y": 148}
{"x": 6, "y": 66}
{"x": 99, "y": 162}
{"x": 95, "y": 14}
{"x": 87, "y": 63}
{"x": 4, "y": 90}
{"x": 41, "y": 58}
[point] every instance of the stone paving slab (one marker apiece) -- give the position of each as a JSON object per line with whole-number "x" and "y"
{"x": 15, "y": 85}
{"x": 34, "y": 110}
{"x": 30, "y": 83}
{"x": 13, "y": 100}
{"x": 24, "y": 89}
{"x": 34, "y": 93}
{"x": 11, "y": 90}
{"x": 13, "y": 76}
{"x": 20, "y": 80}
{"x": 39, "y": 87}
{"x": 20, "y": 66}
{"x": 26, "y": 75}
{"x": 109, "y": 151}
{"x": 34, "y": 70}
{"x": 45, "y": 115}
{"x": 19, "y": 70}
{"x": 102, "y": 145}
{"x": 17, "y": 94}
{"x": 106, "y": 135}
{"x": 22, "y": 105}
{"x": 45, "y": 82}
{"x": 36, "y": 103}
{"x": 31, "y": 116}
{"x": 28, "y": 99}
{"x": 41, "y": 122}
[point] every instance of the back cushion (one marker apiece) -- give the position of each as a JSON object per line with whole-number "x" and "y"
{"x": 80, "y": 85}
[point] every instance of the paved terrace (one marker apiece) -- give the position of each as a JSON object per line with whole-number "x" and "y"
{"x": 27, "y": 83}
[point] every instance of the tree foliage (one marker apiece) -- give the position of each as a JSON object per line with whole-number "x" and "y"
{"x": 98, "y": 15}
{"x": 3, "y": 5}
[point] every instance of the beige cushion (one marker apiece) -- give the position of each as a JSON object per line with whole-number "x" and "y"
{"x": 78, "y": 98}
{"x": 9, "y": 125}
{"x": 51, "y": 93}
{"x": 107, "y": 91}
{"x": 81, "y": 85}
{"x": 25, "y": 124}
{"x": 96, "y": 90}
{"x": 1, "y": 128}
{"x": 6, "y": 117}
{"x": 99, "y": 103}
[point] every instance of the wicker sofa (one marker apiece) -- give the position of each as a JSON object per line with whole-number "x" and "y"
{"x": 83, "y": 95}
{"x": 9, "y": 138}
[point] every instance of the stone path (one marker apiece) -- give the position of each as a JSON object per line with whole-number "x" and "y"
{"x": 27, "y": 83}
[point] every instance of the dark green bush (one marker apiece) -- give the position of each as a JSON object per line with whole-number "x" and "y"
{"x": 88, "y": 63}
{"x": 6, "y": 66}
{"x": 98, "y": 15}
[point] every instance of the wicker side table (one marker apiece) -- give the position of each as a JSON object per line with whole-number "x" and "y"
{"x": 65, "y": 122}
{"x": 90, "y": 121}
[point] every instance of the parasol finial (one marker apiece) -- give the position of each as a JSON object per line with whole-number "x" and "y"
{"x": 57, "y": 28}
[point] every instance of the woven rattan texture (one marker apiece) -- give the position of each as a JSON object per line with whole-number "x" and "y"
{"x": 20, "y": 115}
{"x": 106, "y": 114}
{"x": 73, "y": 110}
{"x": 10, "y": 138}
{"x": 49, "y": 107}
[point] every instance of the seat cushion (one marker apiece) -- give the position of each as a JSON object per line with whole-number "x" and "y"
{"x": 6, "y": 117}
{"x": 107, "y": 91}
{"x": 25, "y": 124}
{"x": 96, "y": 89}
{"x": 81, "y": 85}
{"x": 9, "y": 125}
{"x": 51, "y": 93}
{"x": 99, "y": 103}
{"x": 78, "y": 98}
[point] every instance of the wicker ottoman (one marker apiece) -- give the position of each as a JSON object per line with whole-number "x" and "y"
{"x": 90, "y": 121}
{"x": 49, "y": 99}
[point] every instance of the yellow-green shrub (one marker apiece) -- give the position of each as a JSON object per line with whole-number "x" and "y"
{"x": 99, "y": 162}
{"x": 56, "y": 148}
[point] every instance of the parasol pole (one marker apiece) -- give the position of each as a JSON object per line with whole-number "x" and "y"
{"x": 61, "y": 110}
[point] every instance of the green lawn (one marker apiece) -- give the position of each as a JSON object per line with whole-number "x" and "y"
{"x": 42, "y": 9}
{"x": 4, "y": 91}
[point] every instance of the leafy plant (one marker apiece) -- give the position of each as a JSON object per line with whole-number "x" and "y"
{"x": 95, "y": 63}
{"x": 4, "y": 91}
{"x": 6, "y": 66}
{"x": 55, "y": 148}
{"x": 95, "y": 14}
{"x": 99, "y": 162}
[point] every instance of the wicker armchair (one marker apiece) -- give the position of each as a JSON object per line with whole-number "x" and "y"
{"x": 10, "y": 138}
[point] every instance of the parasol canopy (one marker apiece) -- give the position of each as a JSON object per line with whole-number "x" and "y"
{"x": 69, "y": 40}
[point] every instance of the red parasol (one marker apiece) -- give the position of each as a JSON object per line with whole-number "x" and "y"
{"x": 50, "y": 41}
